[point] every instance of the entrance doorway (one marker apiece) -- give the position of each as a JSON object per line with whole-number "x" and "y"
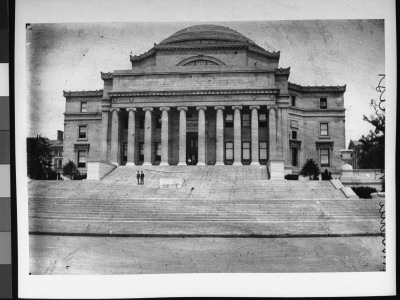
{"x": 191, "y": 148}
{"x": 294, "y": 157}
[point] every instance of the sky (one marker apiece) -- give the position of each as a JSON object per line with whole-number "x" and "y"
{"x": 70, "y": 56}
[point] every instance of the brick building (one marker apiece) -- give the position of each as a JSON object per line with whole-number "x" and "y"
{"x": 206, "y": 95}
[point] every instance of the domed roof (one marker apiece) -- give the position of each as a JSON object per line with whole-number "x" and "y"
{"x": 207, "y": 32}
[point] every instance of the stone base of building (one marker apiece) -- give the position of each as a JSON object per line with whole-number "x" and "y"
{"x": 276, "y": 169}
{"x": 98, "y": 169}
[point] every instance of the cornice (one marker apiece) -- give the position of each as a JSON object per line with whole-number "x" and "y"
{"x": 168, "y": 47}
{"x": 314, "y": 89}
{"x": 95, "y": 93}
{"x": 193, "y": 92}
{"x": 188, "y": 70}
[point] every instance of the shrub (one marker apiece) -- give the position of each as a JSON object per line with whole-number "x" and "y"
{"x": 364, "y": 191}
{"x": 326, "y": 175}
{"x": 310, "y": 169}
{"x": 292, "y": 176}
{"x": 70, "y": 170}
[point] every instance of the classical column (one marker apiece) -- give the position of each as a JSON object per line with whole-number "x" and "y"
{"x": 279, "y": 145}
{"x": 148, "y": 130}
{"x": 201, "y": 161}
{"x": 115, "y": 135}
{"x": 285, "y": 138}
{"x": 237, "y": 136}
{"x": 254, "y": 136}
{"x": 182, "y": 136}
{"x": 131, "y": 136}
{"x": 219, "y": 153}
{"x": 104, "y": 133}
{"x": 272, "y": 133}
{"x": 164, "y": 136}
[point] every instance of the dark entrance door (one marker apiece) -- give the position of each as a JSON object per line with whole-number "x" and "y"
{"x": 191, "y": 148}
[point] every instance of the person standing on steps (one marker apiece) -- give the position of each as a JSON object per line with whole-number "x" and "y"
{"x": 141, "y": 177}
{"x": 138, "y": 177}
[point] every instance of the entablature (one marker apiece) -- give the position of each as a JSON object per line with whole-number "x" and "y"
{"x": 272, "y": 91}
{"x": 70, "y": 94}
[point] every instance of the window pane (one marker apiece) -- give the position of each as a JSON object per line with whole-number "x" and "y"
{"x": 324, "y": 157}
{"x": 229, "y": 154}
{"x": 82, "y": 132}
{"x": 83, "y": 106}
{"x": 246, "y": 120}
{"x": 246, "y": 153}
{"x": 81, "y": 159}
{"x": 229, "y": 151}
{"x": 263, "y": 150}
{"x": 141, "y": 148}
{"x": 324, "y": 129}
{"x": 262, "y": 118}
{"x": 323, "y": 103}
{"x": 294, "y": 135}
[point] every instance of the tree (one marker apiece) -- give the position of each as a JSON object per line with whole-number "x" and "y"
{"x": 39, "y": 158}
{"x": 372, "y": 154}
{"x": 310, "y": 169}
{"x": 70, "y": 170}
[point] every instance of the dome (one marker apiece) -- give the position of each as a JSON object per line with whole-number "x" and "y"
{"x": 207, "y": 32}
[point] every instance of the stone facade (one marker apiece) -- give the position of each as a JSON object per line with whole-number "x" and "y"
{"x": 206, "y": 95}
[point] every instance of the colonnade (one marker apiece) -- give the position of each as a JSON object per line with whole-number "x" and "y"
{"x": 276, "y": 149}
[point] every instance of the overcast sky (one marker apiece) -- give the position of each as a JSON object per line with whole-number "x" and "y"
{"x": 71, "y": 56}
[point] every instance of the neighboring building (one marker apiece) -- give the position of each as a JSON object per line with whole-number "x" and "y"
{"x": 356, "y": 147}
{"x": 205, "y": 95}
{"x": 56, "y": 147}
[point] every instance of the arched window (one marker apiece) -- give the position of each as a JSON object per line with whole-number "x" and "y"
{"x": 201, "y": 62}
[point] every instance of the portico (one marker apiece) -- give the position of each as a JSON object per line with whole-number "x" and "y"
{"x": 225, "y": 135}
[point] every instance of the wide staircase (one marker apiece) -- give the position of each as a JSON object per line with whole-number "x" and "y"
{"x": 213, "y": 201}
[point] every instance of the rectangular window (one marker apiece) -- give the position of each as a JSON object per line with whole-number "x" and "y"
{"x": 323, "y": 129}
{"x": 246, "y": 150}
{"x": 245, "y": 120}
{"x": 324, "y": 157}
{"x": 229, "y": 120}
{"x": 323, "y": 103}
{"x": 82, "y": 132}
{"x": 125, "y": 152}
{"x": 294, "y": 135}
{"x": 83, "y": 106}
{"x": 82, "y": 159}
{"x": 59, "y": 163}
{"x": 158, "y": 151}
{"x": 293, "y": 98}
{"x": 263, "y": 150}
{"x": 229, "y": 150}
{"x": 262, "y": 119}
{"x": 141, "y": 152}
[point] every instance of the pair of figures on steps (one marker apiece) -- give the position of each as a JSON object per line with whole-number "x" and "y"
{"x": 140, "y": 177}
